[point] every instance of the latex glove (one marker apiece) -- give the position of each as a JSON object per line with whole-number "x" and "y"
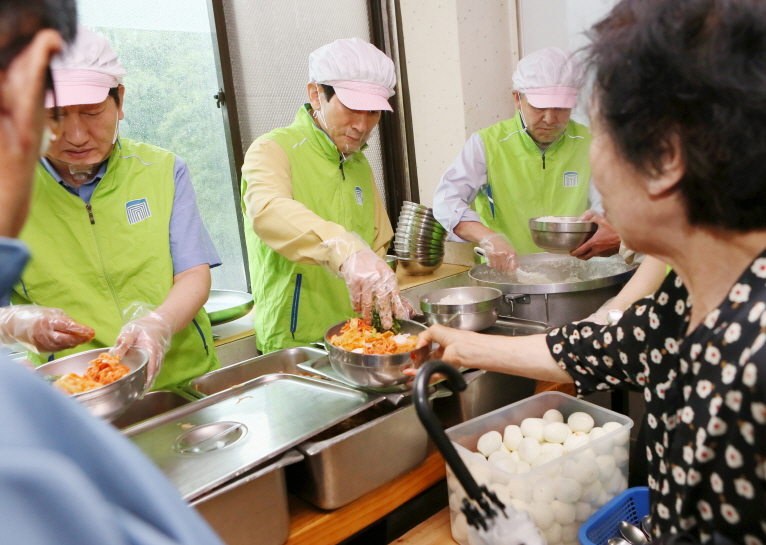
{"x": 151, "y": 332}
{"x": 603, "y": 243}
{"x": 41, "y": 329}
{"x": 500, "y": 252}
{"x": 371, "y": 282}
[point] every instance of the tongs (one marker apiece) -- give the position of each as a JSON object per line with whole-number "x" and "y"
{"x": 493, "y": 522}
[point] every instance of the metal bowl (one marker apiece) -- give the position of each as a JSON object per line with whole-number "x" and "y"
{"x": 418, "y": 247}
{"x": 409, "y": 205}
{"x": 420, "y": 267}
{"x": 420, "y": 235}
{"x": 108, "y": 401}
{"x": 224, "y": 306}
{"x": 563, "y": 236}
{"x": 420, "y": 221}
{"x": 373, "y": 371}
{"x": 392, "y": 261}
{"x": 410, "y": 256}
{"x": 478, "y": 315}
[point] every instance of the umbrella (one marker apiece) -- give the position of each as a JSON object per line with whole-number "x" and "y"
{"x": 490, "y": 521}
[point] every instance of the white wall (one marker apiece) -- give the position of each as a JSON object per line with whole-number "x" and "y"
{"x": 560, "y": 23}
{"x": 460, "y": 58}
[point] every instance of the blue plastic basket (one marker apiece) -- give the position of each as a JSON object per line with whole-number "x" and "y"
{"x": 632, "y": 505}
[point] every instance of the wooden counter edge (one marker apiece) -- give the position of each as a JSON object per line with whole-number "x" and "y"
{"x": 309, "y": 525}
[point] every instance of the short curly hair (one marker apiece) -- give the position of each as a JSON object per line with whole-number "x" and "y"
{"x": 694, "y": 70}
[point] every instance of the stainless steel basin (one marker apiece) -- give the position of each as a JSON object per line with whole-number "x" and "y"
{"x": 252, "y": 508}
{"x": 281, "y": 361}
{"x": 488, "y": 390}
{"x": 346, "y": 462}
{"x": 151, "y": 405}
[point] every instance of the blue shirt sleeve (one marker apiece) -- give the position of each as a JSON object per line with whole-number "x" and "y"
{"x": 67, "y": 478}
{"x": 190, "y": 242}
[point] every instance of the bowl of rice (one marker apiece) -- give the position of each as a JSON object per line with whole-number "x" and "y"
{"x": 471, "y": 308}
{"x": 373, "y": 359}
{"x": 560, "y": 234}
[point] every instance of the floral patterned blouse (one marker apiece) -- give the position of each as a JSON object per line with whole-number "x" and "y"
{"x": 705, "y": 401}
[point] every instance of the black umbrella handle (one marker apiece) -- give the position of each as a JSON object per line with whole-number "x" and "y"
{"x": 434, "y": 427}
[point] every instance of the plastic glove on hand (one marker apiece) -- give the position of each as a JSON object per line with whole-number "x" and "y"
{"x": 500, "y": 253}
{"x": 371, "y": 282}
{"x": 153, "y": 333}
{"x": 42, "y": 329}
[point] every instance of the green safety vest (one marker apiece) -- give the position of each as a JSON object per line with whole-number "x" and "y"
{"x": 94, "y": 261}
{"x": 526, "y": 183}
{"x": 295, "y": 303}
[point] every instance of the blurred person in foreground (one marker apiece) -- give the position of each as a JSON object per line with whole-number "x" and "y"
{"x": 319, "y": 228}
{"x": 534, "y": 164}
{"x": 116, "y": 236}
{"x": 679, "y": 157}
{"x": 66, "y": 478}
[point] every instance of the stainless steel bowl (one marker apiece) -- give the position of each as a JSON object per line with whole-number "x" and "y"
{"x": 224, "y": 306}
{"x": 370, "y": 370}
{"x": 417, "y": 215}
{"x": 563, "y": 236}
{"x": 418, "y": 248}
{"x": 420, "y": 267}
{"x": 108, "y": 401}
{"x": 478, "y": 315}
{"x": 418, "y": 257}
{"x": 419, "y": 234}
{"x": 392, "y": 261}
{"x": 420, "y": 221}
{"x": 409, "y": 205}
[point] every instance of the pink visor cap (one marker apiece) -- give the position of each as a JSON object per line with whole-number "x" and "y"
{"x": 362, "y": 75}
{"x": 360, "y": 95}
{"x": 549, "y": 78}
{"x": 85, "y": 71}
{"x": 551, "y": 97}
{"x": 80, "y": 87}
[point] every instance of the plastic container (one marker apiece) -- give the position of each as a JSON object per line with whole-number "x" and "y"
{"x": 632, "y": 505}
{"x": 599, "y": 469}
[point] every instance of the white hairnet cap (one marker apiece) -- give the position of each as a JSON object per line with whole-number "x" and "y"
{"x": 550, "y": 78}
{"x": 85, "y": 71}
{"x": 361, "y": 74}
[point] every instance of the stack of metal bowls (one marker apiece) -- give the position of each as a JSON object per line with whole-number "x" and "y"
{"x": 419, "y": 240}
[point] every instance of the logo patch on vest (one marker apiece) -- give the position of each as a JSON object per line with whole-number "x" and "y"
{"x": 359, "y": 194}
{"x": 137, "y": 210}
{"x": 570, "y": 179}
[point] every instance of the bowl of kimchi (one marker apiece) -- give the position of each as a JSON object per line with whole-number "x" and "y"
{"x": 367, "y": 357}
{"x": 107, "y": 386}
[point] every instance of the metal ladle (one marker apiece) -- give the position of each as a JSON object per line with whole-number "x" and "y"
{"x": 646, "y": 526}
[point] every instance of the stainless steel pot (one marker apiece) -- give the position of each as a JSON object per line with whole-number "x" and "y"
{"x": 474, "y": 316}
{"x": 572, "y": 289}
{"x": 371, "y": 370}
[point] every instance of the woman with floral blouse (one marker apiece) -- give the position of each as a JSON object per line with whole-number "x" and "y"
{"x": 678, "y": 117}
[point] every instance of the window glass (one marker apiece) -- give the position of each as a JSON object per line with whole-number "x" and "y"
{"x": 167, "y": 49}
{"x": 270, "y": 42}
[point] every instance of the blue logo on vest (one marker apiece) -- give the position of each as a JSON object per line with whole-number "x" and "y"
{"x": 137, "y": 210}
{"x": 359, "y": 195}
{"x": 570, "y": 179}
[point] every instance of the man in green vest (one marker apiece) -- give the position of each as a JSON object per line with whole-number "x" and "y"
{"x": 116, "y": 238}
{"x": 319, "y": 227}
{"x": 534, "y": 164}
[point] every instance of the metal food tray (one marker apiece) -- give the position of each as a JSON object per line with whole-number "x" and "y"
{"x": 206, "y": 443}
{"x": 225, "y": 306}
{"x": 232, "y": 376}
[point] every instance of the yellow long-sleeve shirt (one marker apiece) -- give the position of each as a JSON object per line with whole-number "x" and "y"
{"x": 290, "y": 228}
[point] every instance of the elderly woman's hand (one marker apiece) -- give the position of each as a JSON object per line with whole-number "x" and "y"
{"x": 452, "y": 345}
